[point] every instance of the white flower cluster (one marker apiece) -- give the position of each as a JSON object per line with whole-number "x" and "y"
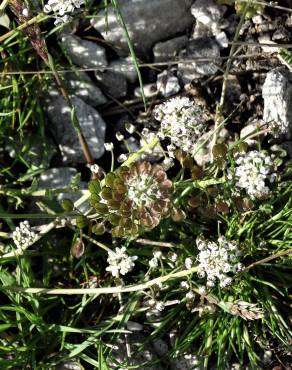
{"x": 119, "y": 262}
{"x": 154, "y": 262}
{"x": 216, "y": 260}
{"x": 182, "y": 122}
{"x": 23, "y": 236}
{"x": 252, "y": 171}
{"x": 61, "y": 8}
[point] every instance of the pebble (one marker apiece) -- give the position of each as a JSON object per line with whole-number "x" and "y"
{"x": 84, "y": 53}
{"x": 199, "y": 48}
{"x": 112, "y": 83}
{"x": 60, "y": 178}
{"x": 168, "y": 50}
{"x": 277, "y": 94}
{"x": 209, "y": 14}
{"x": 91, "y": 123}
{"x": 167, "y": 84}
{"x": 147, "y": 22}
{"x": 126, "y": 68}
{"x": 80, "y": 85}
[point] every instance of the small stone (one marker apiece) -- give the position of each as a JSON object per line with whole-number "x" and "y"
{"x": 144, "y": 26}
{"x": 80, "y": 85}
{"x": 202, "y": 48}
{"x": 167, "y": 50}
{"x": 167, "y": 84}
{"x": 277, "y": 94}
{"x": 70, "y": 365}
{"x": 281, "y": 34}
{"x": 265, "y": 39}
{"x": 160, "y": 346}
{"x": 84, "y": 53}
{"x": 200, "y": 30}
{"x": 36, "y": 151}
{"x": 126, "y": 68}
{"x": 90, "y": 121}
{"x": 222, "y": 40}
{"x": 208, "y": 13}
{"x": 113, "y": 83}
{"x": 60, "y": 178}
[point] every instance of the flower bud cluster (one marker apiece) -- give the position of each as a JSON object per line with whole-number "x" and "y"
{"x": 182, "y": 122}
{"x": 252, "y": 171}
{"x": 217, "y": 260}
{"x": 61, "y": 8}
{"x": 119, "y": 262}
{"x": 23, "y": 236}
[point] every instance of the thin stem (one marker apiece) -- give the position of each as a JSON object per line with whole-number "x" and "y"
{"x": 108, "y": 290}
{"x": 267, "y": 259}
{"x": 219, "y": 109}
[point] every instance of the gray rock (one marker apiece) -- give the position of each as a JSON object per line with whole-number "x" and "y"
{"x": 199, "y": 48}
{"x": 56, "y": 178}
{"x": 126, "y": 68}
{"x": 167, "y": 50}
{"x": 186, "y": 362}
{"x": 222, "y": 40}
{"x": 277, "y": 94}
{"x": 91, "y": 123}
{"x": 160, "y": 346}
{"x": 70, "y": 365}
{"x": 112, "y": 83}
{"x": 84, "y": 53}
{"x": 167, "y": 84}
{"x": 200, "y": 30}
{"x": 147, "y": 354}
{"x": 80, "y": 85}
{"x": 147, "y": 22}
{"x": 33, "y": 149}
{"x": 209, "y": 13}
{"x": 60, "y": 178}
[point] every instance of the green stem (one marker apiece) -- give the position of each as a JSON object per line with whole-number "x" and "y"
{"x": 108, "y": 290}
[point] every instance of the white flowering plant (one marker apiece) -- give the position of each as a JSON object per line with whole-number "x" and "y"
{"x": 132, "y": 239}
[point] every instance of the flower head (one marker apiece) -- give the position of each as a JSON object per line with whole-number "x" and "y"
{"x": 119, "y": 262}
{"x": 252, "y": 172}
{"x": 134, "y": 198}
{"x": 217, "y": 260}
{"x": 61, "y": 8}
{"x": 182, "y": 122}
{"x": 23, "y": 236}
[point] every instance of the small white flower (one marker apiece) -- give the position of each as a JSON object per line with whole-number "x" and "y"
{"x": 157, "y": 253}
{"x": 119, "y": 136}
{"x": 61, "y": 8}
{"x": 202, "y": 290}
{"x": 172, "y": 256}
{"x": 190, "y": 295}
{"x": 130, "y": 128}
{"x": 95, "y": 168}
{"x": 119, "y": 262}
{"x": 188, "y": 262}
{"x": 108, "y": 147}
{"x": 153, "y": 263}
{"x": 160, "y": 306}
{"x": 182, "y": 122}
{"x": 23, "y": 236}
{"x": 122, "y": 158}
{"x": 252, "y": 172}
{"x": 216, "y": 260}
{"x": 184, "y": 285}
